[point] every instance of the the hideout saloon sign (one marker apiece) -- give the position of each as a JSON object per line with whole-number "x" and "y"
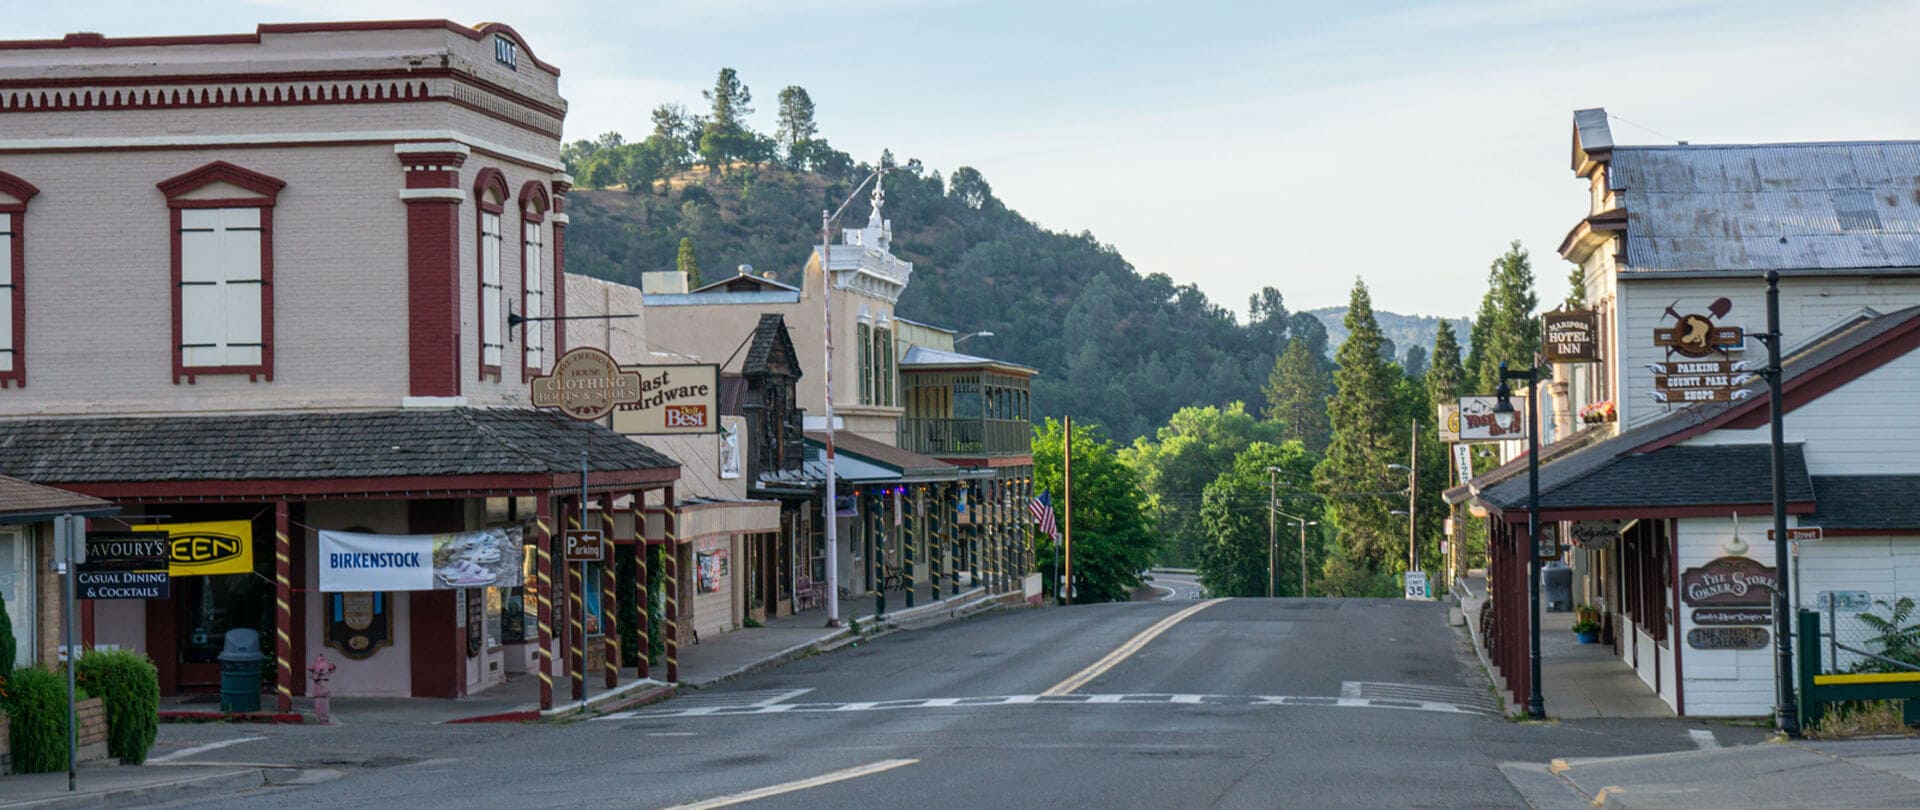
{"x": 1733, "y": 597}
{"x": 124, "y": 565}
{"x": 1570, "y": 336}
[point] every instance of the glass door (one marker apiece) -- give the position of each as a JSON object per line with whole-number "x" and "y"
{"x": 209, "y": 607}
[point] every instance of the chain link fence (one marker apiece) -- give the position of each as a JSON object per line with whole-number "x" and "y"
{"x": 1861, "y": 632}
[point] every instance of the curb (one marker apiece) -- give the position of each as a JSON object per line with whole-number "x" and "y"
{"x": 156, "y": 793}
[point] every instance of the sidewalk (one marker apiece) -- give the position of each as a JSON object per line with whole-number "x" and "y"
{"x": 1853, "y": 774}
{"x": 1579, "y": 681}
{"x": 122, "y": 786}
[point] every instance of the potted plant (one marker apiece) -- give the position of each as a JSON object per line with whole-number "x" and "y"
{"x": 1587, "y": 631}
{"x": 1586, "y": 613}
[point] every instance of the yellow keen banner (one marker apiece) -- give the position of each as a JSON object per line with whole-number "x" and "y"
{"x": 206, "y": 549}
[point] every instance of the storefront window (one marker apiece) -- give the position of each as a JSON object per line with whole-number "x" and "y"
{"x": 596, "y": 617}
{"x": 16, "y": 586}
{"x": 496, "y": 602}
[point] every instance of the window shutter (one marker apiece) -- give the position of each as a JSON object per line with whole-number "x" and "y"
{"x": 863, "y": 337}
{"x": 220, "y": 287}
{"x": 536, "y": 331}
{"x": 492, "y": 319}
{"x": 7, "y": 292}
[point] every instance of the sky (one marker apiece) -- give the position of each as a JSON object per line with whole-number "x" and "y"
{"x": 1231, "y": 145}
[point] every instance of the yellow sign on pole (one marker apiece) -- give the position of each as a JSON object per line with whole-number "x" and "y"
{"x": 207, "y": 549}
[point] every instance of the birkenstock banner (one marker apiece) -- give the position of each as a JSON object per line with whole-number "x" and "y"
{"x": 489, "y": 558}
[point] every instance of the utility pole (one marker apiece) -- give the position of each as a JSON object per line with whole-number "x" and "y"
{"x": 1303, "y": 558}
{"x": 1786, "y": 715}
{"x": 1413, "y": 497}
{"x": 1273, "y": 543}
{"x": 1066, "y": 514}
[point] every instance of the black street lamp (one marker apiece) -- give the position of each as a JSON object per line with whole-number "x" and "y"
{"x": 1503, "y": 403}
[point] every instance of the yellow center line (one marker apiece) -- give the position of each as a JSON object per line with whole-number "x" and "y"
{"x": 801, "y": 784}
{"x": 1124, "y": 651}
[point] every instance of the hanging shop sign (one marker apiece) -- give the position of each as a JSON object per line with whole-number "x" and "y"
{"x": 1724, "y": 616}
{"x": 1463, "y": 462}
{"x": 1728, "y": 638}
{"x": 1570, "y": 336}
{"x": 586, "y": 384}
{"x": 1729, "y": 582}
{"x": 672, "y": 399}
{"x": 1478, "y": 422}
{"x": 1594, "y": 534}
{"x": 585, "y": 545}
{"x": 359, "y": 624}
{"x": 1549, "y": 546}
{"x": 123, "y": 565}
{"x": 207, "y": 549}
{"x": 1700, "y": 335}
{"x": 1449, "y": 422}
{"x": 488, "y": 558}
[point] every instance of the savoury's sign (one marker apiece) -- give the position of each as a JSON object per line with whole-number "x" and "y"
{"x": 672, "y": 399}
{"x": 1478, "y": 422}
{"x": 1728, "y": 638}
{"x": 586, "y": 384}
{"x": 1571, "y": 336}
{"x": 1729, "y": 581}
{"x": 206, "y": 549}
{"x": 123, "y": 565}
{"x": 352, "y": 561}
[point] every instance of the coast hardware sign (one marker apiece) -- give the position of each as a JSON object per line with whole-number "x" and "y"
{"x": 586, "y": 384}
{"x": 672, "y": 399}
{"x": 123, "y": 565}
{"x": 1478, "y": 422}
{"x": 1571, "y": 336}
{"x": 489, "y": 558}
{"x": 207, "y": 549}
{"x": 1729, "y": 582}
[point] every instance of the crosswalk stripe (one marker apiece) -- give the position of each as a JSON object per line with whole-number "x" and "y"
{"x": 1410, "y": 704}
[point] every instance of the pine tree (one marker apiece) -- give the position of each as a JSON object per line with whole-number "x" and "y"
{"x": 1512, "y": 334}
{"x": 1362, "y": 417}
{"x": 1297, "y": 396}
{"x": 687, "y": 263}
{"x": 796, "y": 125}
{"x": 1577, "y": 287}
{"x": 1444, "y": 373}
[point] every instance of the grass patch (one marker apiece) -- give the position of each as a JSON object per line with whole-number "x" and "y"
{"x": 1861, "y": 718}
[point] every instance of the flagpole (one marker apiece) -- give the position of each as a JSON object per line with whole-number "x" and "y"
{"x": 1066, "y": 477}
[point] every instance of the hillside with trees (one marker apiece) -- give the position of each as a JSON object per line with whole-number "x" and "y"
{"x": 1114, "y": 346}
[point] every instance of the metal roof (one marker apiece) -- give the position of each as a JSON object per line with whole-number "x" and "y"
{"x": 924, "y": 357}
{"x": 1787, "y": 207}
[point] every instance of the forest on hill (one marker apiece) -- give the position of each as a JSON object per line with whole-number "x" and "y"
{"x": 1114, "y": 346}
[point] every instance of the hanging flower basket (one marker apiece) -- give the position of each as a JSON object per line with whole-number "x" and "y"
{"x": 1599, "y": 412}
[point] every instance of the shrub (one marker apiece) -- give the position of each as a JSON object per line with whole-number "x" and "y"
{"x": 129, "y": 685}
{"x": 8, "y": 647}
{"x": 37, "y": 703}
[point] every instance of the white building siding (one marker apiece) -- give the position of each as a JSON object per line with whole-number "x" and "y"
{"x": 1865, "y": 427}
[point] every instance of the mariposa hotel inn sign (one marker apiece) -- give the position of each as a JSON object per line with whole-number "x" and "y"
{"x": 586, "y": 384}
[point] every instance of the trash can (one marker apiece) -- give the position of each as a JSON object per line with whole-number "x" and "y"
{"x": 240, "y": 671}
{"x": 1556, "y": 587}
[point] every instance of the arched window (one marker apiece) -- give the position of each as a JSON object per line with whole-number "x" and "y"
{"x": 222, "y": 225}
{"x": 490, "y": 197}
{"x": 14, "y": 194}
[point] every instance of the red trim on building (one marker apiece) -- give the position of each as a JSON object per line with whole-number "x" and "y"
{"x": 1673, "y": 579}
{"x": 559, "y": 251}
{"x": 376, "y": 488}
{"x": 21, "y": 191}
{"x": 1519, "y": 515}
{"x": 433, "y": 275}
{"x": 488, "y": 178}
{"x": 268, "y": 188}
{"x": 88, "y": 39}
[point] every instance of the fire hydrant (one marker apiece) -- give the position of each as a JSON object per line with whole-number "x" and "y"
{"x": 322, "y": 674}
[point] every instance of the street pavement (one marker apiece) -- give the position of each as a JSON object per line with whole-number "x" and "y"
{"x": 1176, "y": 585}
{"x": 1171, "y": 703}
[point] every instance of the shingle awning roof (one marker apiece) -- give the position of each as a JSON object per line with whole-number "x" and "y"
{"x": 23, "y": 502}
{"x": 308, "y": 446}
{"x": 1682, "y": 475}
{"x": 1866, "y": 502}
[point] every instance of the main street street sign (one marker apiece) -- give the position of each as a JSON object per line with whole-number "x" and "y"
{"x": 1803, "y": 533}
{"x": 586, "y": 384}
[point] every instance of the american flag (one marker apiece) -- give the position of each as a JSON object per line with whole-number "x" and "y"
{"x": 1042, "y": 509}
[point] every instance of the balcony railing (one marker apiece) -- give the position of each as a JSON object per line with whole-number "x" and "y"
{"x": 966, "y": 437}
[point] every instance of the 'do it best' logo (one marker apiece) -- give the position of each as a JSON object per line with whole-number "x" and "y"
{"x": 686, "y": 416}
{"x": 203, "y": 549}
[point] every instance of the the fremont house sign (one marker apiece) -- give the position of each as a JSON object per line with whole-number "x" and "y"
{"x": 586, "y": 384}
{"x": 1729, "y": 582}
